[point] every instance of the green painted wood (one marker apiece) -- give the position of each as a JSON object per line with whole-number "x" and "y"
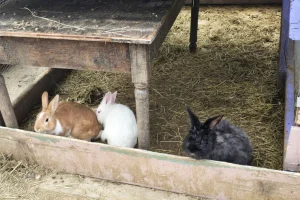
{"x": 204, "y": 178}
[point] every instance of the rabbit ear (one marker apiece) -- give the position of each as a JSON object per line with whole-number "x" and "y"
{"x": 54, "y": 103}
{"x": 108, "y": 98}
{"x": 194, "y": 119}
{"x": 114, "y": 96}
{"x": 212, "y": 122}
{"x": 45, "y": 100}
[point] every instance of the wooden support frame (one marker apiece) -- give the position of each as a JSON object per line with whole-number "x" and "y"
{"x": 6, "y": 107}
{"x": 238, "y": 2}
{"x": 131, "y": 53}
{"x": 211, "y": 179}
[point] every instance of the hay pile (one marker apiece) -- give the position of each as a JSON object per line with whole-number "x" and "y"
{"x": 18, "y": 179}
{"x": 233, "y": 73}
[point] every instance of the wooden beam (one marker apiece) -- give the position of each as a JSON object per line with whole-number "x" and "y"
{"x": 67, "y": 54}
{"x": 241, "y": 2}
{"x": 292, "y": 156}
{"x": 149, "y": 169}
{"x": 6, "y": 107}
{"x": 165, "y": 26}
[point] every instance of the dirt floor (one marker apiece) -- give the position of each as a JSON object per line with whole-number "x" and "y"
{"x": 233, "y": 73}
{"x": 21, "y": 181}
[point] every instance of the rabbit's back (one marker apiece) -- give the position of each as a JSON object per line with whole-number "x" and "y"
{"x": 231, "y": 144}
{"x": 120, "y": 128}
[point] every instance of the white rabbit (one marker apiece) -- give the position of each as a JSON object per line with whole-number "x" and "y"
{"x": 120, "y": 128}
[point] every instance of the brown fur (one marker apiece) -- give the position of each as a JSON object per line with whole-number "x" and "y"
{"x": 72, "y": 116}
{"x": 80, "y": 119}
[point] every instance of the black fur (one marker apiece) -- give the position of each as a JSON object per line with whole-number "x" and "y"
{"x": 217, "y": 139}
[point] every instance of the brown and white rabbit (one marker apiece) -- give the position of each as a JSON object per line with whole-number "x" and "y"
{"x": 67, "y": 119}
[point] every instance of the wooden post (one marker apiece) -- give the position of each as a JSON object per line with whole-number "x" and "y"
{"x": 6, "y": 107}
{"x": 140, "y": 61}
{"x": 292, "y": 155}
{"x": 194, "y": 25}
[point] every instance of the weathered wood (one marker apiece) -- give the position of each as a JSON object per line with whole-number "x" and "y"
{"x": 155, "y": 170}
{"x": 140, "y": 64}
{"x": 292, "y": 155}
{"x": 241, "y": 2}
{"x": 294, "y": 25}
{"x": 6, "y": 108}
{"x": 194, "y": 25}
{"x": 165, "y": 26}
{"x": 129, "y": 21}
{"x": 98, "y": 56}
{"x": 289, "y": 115}
{"x": 283, "y": 48}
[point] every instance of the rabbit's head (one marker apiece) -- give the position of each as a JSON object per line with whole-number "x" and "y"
{"x": 199, "y": 141}
{"x": 108, "y": 100}
{"x": 46, "y": 119}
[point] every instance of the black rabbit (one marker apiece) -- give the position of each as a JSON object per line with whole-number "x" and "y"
{"x": 217, "y": 139}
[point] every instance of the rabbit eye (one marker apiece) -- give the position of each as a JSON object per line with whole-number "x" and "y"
{"x": 98, "y": 111}
{"x": 47, "y": 119}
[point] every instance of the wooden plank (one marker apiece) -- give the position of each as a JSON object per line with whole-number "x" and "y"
{"x": 292, "y": 156}
{"x": 241, "y": 2}
{"x": 6, "y": 107}
{"x": 140, "y": 65}
{"x": 283, "y": 48}
{"x": 98, "y": 56}
{"x": 155, "y": 170}
{"x": 294, "y": 20}
{"x": 129, "y": 21}
{"x": 164, "y": 27}
{"x": 289, "y": 112}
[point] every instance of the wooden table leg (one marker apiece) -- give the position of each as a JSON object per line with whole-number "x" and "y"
{"x": 140, "y": 61}
{"x": 194, "y": 25}
{"x": 6, "y": 107}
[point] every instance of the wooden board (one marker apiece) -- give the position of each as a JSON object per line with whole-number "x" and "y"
{"x": 126, "y": 21}
{"x": 292, "y": 156}
{"x": 241, "y": 2}
{"x": 84, "y": 55}
{"x": 294, "y": 31}
{"x": 155, "y": 170}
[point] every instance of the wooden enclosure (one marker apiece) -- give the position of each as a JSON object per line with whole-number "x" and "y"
{"x": 211, "y": 179}
{"x": 76, "y": 46}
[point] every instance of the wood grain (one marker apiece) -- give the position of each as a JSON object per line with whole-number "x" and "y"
{"x": 128, "y": 21}
{"x": 165, "y": 26}
{"x": 292, "y": 155}
{"x": 242, "y": 2}
{"x": 140, "y": 66}
{"x": 98, "y": 56}
{"x": 155, "y": 170}
{"x": 6, "y": 107}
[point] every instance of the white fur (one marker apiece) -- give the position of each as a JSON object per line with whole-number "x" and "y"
{"x": 68, "y": 133}
{"x": 41, "y": 115}
{"x": 58, "y": 128}
{"x": 120, "y": 128}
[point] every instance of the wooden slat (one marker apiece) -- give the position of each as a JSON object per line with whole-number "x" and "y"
{"x": 129, "y": 21}
{"x": 155, "y": 170}
{"x": 292, "y": 156}
{"x": 165, "y": 26}
{"x": 241, "y": 2}
{"x": 98, "y": 56}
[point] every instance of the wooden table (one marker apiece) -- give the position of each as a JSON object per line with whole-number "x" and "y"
{"x": 115, "y": 36}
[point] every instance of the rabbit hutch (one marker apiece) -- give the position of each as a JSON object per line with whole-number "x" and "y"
{"x": 41, "y": 41}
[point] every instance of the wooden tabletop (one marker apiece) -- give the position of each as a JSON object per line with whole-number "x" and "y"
{"x": 122, "y": 21}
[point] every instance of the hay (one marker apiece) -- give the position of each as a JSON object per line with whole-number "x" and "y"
{"x": 233, "y": 73}
{"x": 17, "y": 176}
